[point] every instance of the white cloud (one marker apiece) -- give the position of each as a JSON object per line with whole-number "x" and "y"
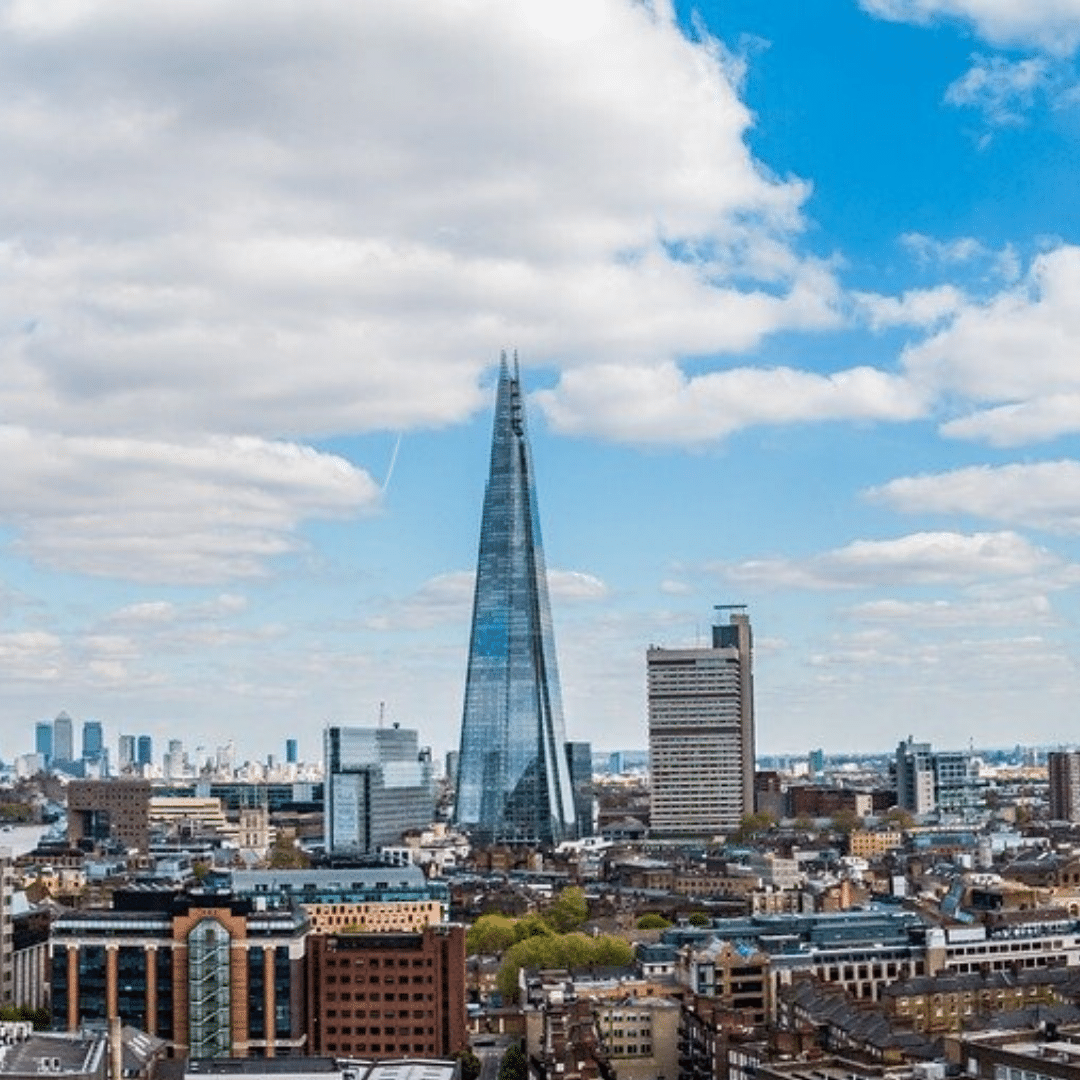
{"x": 319, "y": 218}
{"x": 31, "y": 656}
{"x": 313, "y": 218}
{"x": 1046, "y": 494}
{"x": 963, "y": 250}
{"x": 917, "y": 307}
{"x": 573, "y": 585}
{"x": 1024, "y": 610}
{"x": 156, "y": 511}
{"x": 1002, "y": 90}
{"x": 662, "y": 405}
{"x": 448, "y": 598}
{"x": 1037, "y": 420}
{"x": 925, "y": 558}
{"x": 1015, "y": 352}
{"x": 1050, "y": 25}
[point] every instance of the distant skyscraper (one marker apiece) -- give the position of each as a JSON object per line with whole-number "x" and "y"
{"x": 93, "y": 740}
{"x": 126, "y": 747}
{"x": 175, "y": 763}
{"x": 379, "y": 785}
{"x": 1063, "y": 767}
{"x": 701, "y": 733}
{"x": 63, "y": 738}
{"x": 513, "y": 783}
{"x": 43, "y": 740}
{"x": 292, "y": 756}
{"x": 144, "y": 753}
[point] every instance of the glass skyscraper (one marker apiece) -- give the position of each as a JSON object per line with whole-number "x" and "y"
{"x": 513, "y": 782}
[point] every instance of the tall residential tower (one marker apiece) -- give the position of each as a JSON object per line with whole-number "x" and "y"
{"x": 513, "y": 780}
{"x": 701, "y": 733}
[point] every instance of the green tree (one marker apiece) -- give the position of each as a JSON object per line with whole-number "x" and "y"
{"x": 559, "y": 951}
{"x": 569, "y": 910}
{"x": 531, "y": 926}
{"x": 470, "y": 1064}
{"x": 653, "y": 921}
{"x": 698, "y": 918}
{"x": 899, "y": 818}
{"x": 490, "y": 934}
{"x": 611, "y": 951}
{"x": 514, "y": 1065}
{"x": 754, "y": 824}
{"x": 846, "y": 821}
{"x": 286, "y": 854}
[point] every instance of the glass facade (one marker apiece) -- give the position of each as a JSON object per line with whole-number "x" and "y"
{"x": 282, "y": 993}
{"x": 256, "y": 961}
{"x": 59, "y": 989}
{"x": 210, "y": 990}
{"x": 92, "y": 983}
{"x": 513, "y": 783}
{"x": 164, "y": 963}
{"x": 131, "y": 964}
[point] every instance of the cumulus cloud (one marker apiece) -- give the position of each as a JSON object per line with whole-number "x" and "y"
{"x": 1014, "y": 353}
{"x": 320, "y": 218}
{"x": 156, "y": 511}
{"x": 1044, "y": 494}
{"x": 663, "y": 405}
{"x": 1024, "y": 422}
{"x": 1050, "y": 25}
{"x": 925, "y": 558}
{"x": 309, "y": 218}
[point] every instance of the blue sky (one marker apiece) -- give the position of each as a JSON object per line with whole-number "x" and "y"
{"x": 794, "y": 287}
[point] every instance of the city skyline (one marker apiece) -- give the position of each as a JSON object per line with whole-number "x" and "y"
{"x": 793, "y": 290}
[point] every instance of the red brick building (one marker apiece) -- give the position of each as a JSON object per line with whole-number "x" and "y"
{"x": 387, "y": 995}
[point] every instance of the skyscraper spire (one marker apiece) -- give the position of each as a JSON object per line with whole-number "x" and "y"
{"x": 513, "y": 782}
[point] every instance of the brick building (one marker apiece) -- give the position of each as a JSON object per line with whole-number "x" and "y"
{"x": 214, "y": 977}
{"x": 110, "y": 809}
{"x": 387, "y": 994}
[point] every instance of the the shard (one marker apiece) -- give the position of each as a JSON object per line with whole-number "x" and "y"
{"x": 513, "y": 782}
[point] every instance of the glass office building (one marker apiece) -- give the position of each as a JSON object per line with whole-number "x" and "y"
{"x": 513, "y": 783}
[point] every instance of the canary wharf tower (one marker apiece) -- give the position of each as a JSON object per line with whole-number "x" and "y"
{"x": 513, "y": 782}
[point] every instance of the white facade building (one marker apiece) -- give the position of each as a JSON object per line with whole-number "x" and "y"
{"x": 701, "y": 734}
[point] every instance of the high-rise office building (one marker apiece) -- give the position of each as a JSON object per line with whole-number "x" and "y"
{"x": 43, "y": 740}
{"x": 126, "y": 751}
{"x": 292, "y": 754}
{"x": 63, "y": 738}
{"x": 175, "y": 763}
{"x": 701, "y": 733}
{"x": 144, "y": 751}
{"x": 1063, "y": 767}
{"x": 93, "y": 740}
{"x": 513, "y": 783}
{"x": 379, "y": 785}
